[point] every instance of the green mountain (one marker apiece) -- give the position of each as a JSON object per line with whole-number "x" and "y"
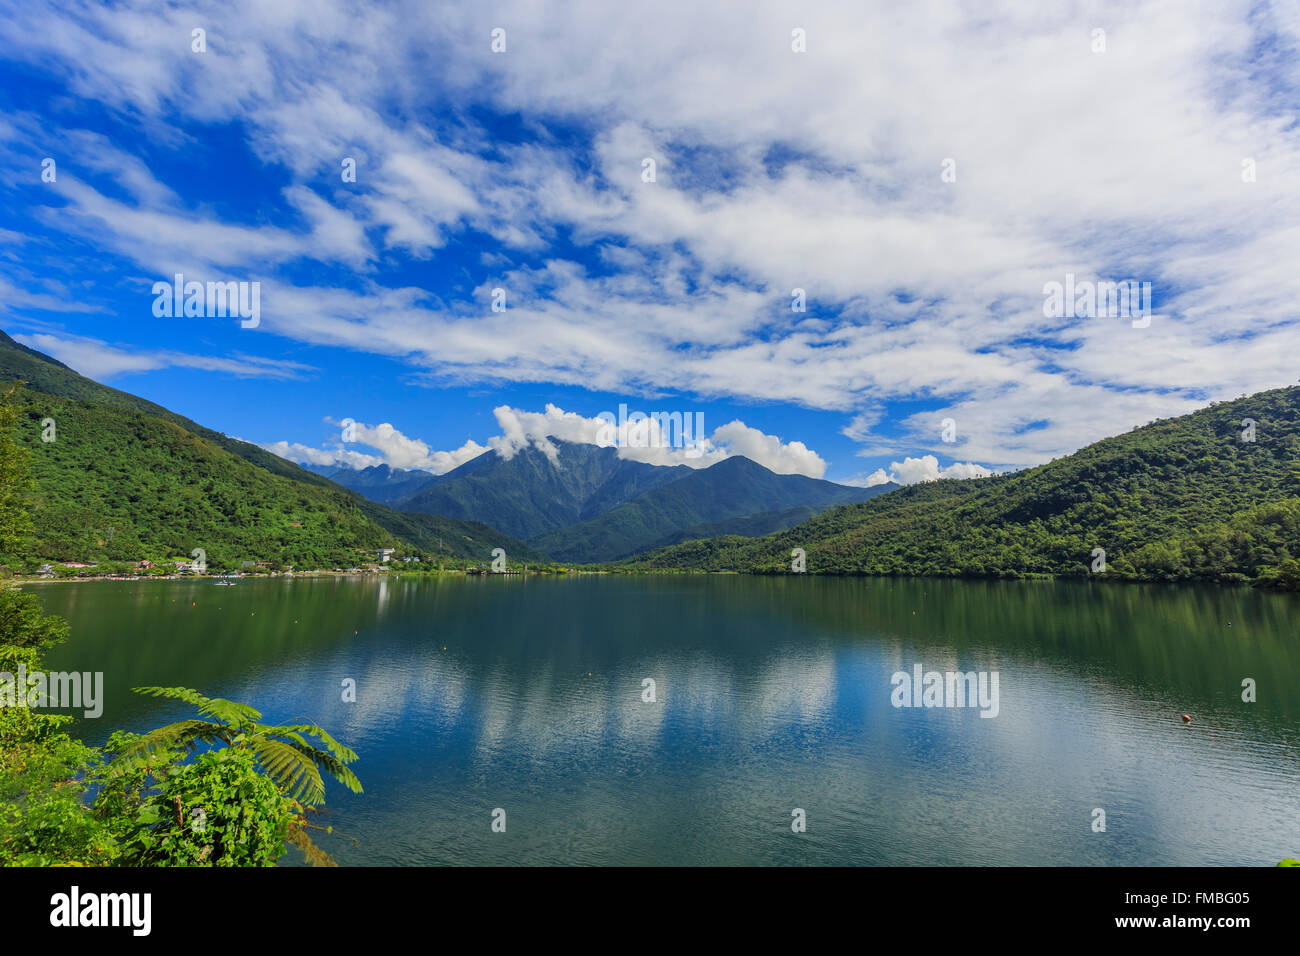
{"x": 735, "y": 490}
{"x": 1181, "y": 499}
{"x": 126, "y": 479}
{"x": 528, "y": 494}
{"x": 42, "y": 373}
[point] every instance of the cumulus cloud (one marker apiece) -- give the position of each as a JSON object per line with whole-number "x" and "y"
{"x": 794, "y": 458}
{"x": 307, "y": 455}
{"x": 915, "y": 286}
{"x": 671, "y": 438}
{"x": 877, "y": 477}
{"x": 910, "y": 470}
{"x": 398, "y": 451}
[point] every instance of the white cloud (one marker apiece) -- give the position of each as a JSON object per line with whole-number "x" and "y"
{"x": 99, "y": 360}
{"x": 860, "y": 428}
{"x": 306, "y": 455}
{"x": 398, "y": 451}
{"x": 775, "y": 170}
{"x": 877, "y": 477}
{"x": 910, "y": 470}
{"x": 794, "y": 458}
{"x": 641, "y": 440}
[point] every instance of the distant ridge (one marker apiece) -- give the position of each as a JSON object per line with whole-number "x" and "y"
{"x": 736, "y": 490}
{"x": 528, "y": 494}
{"x": 1183, "y": 499}
{"x": 587, "y": 504}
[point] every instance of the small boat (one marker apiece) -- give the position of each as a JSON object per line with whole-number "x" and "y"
{"x": 224, "y": 584}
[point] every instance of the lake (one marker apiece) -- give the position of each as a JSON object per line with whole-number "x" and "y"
{"x": 771, "y": 695}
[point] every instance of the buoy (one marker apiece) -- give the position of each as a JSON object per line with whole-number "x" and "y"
{"x": 1187, "y": 718}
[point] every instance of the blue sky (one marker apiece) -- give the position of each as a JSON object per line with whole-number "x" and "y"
{"x": 1164, "y": 149}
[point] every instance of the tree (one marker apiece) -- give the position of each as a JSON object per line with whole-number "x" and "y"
{"x": 15, "y": 481}
{"x": 235, "y": 805}
{"x": 282, "y": 751}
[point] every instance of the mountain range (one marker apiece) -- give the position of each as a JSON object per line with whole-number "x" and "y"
{"x": 585, "y": 503}
{"x": 736, "y": 494}
{"x": 126, "y": 478}
{"x": 1194, "y": 498}
{"x": 379, "y": 483}
{"x": 1210, "y": 496}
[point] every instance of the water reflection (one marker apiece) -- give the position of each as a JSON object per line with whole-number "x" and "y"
{"x": 772, "y": 693}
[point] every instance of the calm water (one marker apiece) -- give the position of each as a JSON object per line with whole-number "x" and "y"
{"x": 773, "y": 694}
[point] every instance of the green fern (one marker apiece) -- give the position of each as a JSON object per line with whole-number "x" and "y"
{"x": 283, "y": 751}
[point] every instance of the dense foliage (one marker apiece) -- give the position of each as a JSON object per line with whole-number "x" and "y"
{"x": 216, "y": 810}
{"x": 1181, "y": 499}
{"x": 124, "y": 480}
{"x": 43, "y": 814}
{"x": 228, "y": 791}
{"x": 120, "y": 486}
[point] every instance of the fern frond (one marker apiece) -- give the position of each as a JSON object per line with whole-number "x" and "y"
{"x": 227, "y": 711}
{"x": 293, "y": 771}
{"x": 183, "y": 735}
{"x": 326, "y": 761}
{"x": 283, "y": 751}
{"x": 341, "y": 753}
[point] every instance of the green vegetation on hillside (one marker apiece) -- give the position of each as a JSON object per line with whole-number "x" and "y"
{"x": 118, "y": 485}
{"x": 146, "y": 800}
{"x": 41, "y": 373}
{"x": 1184, "y": 499}
{"x": 731, "y": 490}
{"x": 125, "y": 480}
{"x": 437, "y": 537}
{"x": 528, "y": 494}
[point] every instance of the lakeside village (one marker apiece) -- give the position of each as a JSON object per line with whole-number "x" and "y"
{"x": 386, "y": 561}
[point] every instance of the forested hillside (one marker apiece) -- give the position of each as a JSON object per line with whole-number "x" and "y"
{"x": 1188, "y": 498}
{"x": 125, "y": 479}
{"x": 735, "y": 489}
{"x": 117, "y": 485}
